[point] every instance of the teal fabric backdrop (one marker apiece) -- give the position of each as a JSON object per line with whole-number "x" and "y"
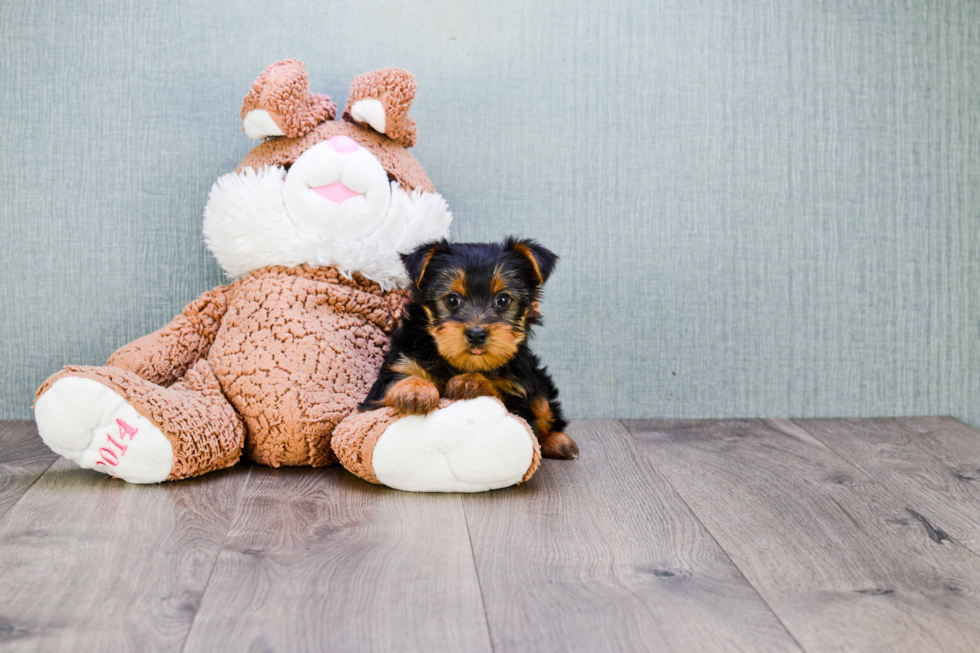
{"x": 762, "y": 208}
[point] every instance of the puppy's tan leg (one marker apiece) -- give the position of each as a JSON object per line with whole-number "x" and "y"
{"x": 413, "y": 396}
{"x": 558, "y": 445}
{"x": 470, "y": 386}
{"x": 554, "y": 444}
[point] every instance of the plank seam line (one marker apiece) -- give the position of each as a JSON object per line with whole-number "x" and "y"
{"x": 28, "y": 489}
{"x": 214, "y": 563}
{"x": 476, "y": 571}
{"x": 884, "y": 485}
{"x": 707, "y": 530}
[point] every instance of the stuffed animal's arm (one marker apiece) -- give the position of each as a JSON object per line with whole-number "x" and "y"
{"x": 163, "y": 356}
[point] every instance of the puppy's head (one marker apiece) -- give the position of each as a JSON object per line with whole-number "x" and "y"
{"x": 480, "y": 299}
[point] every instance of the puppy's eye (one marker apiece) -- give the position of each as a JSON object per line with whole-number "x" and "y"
{"x": 452, "y": 301}
{"x": 502, "y": 301}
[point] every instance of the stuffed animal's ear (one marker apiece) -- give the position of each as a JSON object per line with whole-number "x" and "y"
{"x": 381, "y": 100}
{"x": 417, "y": 262}
{"x": 280, "y": 103}
{"x": 542, "y": 260}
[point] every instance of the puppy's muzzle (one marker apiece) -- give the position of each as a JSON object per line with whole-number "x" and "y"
{"x": 476, "y": 336}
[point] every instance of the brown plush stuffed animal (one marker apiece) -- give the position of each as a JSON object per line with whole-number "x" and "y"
{"x": 310, "y": 227}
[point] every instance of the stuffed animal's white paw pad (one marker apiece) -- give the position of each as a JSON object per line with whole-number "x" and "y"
{"x": 469, "y": 446}
{"x": 88, "y": 423}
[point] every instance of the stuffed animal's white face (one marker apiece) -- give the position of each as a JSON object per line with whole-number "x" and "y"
{"x": 337, "y": 189}
{"x": 331, "y": 208}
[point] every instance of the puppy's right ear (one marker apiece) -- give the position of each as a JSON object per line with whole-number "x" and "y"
{"x": 417, "y": 262}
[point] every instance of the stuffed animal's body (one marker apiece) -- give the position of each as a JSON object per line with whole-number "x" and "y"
{"x": 275, "y": 363}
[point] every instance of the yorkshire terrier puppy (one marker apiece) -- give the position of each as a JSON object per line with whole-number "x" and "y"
{"x": 465, "y": 335}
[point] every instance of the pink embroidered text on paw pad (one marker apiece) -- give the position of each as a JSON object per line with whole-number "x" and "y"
{"x": 111, "y": 455}
{"x": 88, "y": 423}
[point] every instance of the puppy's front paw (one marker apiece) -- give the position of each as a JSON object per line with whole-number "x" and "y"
{"x": 413, "y": 396}
{"x": 469, "y": 386}
{"x": 558, "y": 445}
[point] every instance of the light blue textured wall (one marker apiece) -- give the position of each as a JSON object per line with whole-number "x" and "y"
{"x": 763, "y": 208}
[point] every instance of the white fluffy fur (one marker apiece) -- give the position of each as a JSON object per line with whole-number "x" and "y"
{"x": 246, "y": 227}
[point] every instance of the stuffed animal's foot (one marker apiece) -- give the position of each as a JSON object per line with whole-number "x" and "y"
{"x": 110, "y": 419}
{"x": 86, "y": 422}
{"x": 466, "y": 446}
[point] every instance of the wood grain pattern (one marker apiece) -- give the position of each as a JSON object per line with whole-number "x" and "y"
{"x": 320, "y": 560}
{"x": 91, "y": 563}
{"x": 932, "y": 463}
{"x": 671, "y": 535}
{"x": 600, "y": 554}
{"x": 844, "y": 563}
{"x": 23, "y": 458}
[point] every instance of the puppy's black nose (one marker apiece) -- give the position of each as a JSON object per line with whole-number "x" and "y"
{"x": 476, "y": 335}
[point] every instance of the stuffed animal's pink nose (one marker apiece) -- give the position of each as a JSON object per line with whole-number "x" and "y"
{"x": 343, "y": 144}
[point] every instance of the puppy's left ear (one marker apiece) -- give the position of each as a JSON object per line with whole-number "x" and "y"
{"x": 542, "y": 260}
{"x": 417, "y": 261}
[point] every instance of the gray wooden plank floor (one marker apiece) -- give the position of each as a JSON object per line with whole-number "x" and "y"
{"x": 601, "y": 554}
{"x": 91, "y": 563}
{"x": 324, "y": 561}
{"x": 932, "y": 463}
{"x": 22, "y": 461}
{"x": 747, "y": 535}
{"x": 838, "y": 558}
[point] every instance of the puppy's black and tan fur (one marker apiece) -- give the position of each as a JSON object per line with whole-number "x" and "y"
{"x": 465, "y": 335}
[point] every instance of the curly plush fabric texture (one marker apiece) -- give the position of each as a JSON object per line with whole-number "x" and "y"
{"x": 204, "y": 431}
{"x": 295, "y": 350}
{"x": 283, "y": 90}
{"x": 354, "y": 440}
{"x": 164, "y": 356}
{"x": 306, "y": 119}
{"x": 298, "y": 348}
{"x": 395, "y": 89}
{"x": 398, "y": 162}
